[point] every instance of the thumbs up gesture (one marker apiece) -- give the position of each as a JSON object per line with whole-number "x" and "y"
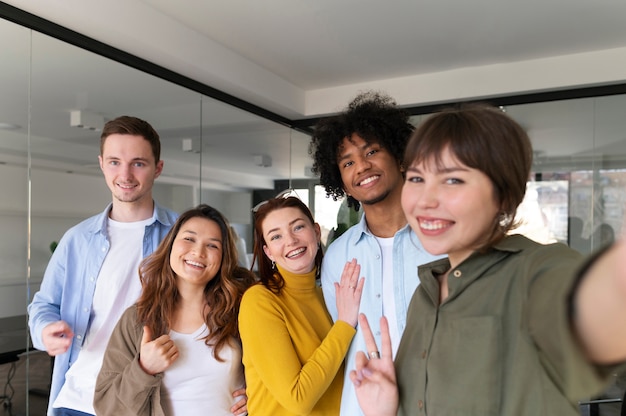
{"x": 156, "y": 355}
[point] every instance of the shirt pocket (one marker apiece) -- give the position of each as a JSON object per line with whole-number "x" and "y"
{"x": 465, "y": 367}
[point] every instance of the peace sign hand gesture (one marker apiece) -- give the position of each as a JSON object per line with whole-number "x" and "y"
{"x": 374, "y": 377}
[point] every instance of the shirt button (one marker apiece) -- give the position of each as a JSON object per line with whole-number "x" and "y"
{"x": 420, "y": 404}
{"x": 378, "y": 296}
{"x": 79, "y": 336}
{"x": 377, "y": 256}
{"x": 85, "y": 309}
{"x": 457, "y": 273}
{"x": 104, "y": 249}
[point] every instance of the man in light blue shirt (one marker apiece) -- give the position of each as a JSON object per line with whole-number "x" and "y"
{"x": 92, "y": 275}
{"x": 358, "y": 155}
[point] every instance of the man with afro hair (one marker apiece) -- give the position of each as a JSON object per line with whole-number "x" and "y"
{"x": 358, "y": 154}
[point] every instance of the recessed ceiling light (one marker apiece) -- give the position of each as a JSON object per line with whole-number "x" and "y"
{"x": 9, "y": 126}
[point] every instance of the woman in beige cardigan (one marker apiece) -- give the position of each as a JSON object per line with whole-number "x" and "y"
{"x": 177, "y": 350}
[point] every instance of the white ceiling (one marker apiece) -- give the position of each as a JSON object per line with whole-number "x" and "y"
{"x": 306, "y": 58}
{"x": 303, "y": 59}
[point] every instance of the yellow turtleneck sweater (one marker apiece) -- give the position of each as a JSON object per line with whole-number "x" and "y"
{"x": 292, "y": 352}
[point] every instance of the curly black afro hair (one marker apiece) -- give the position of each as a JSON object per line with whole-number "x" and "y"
{"x": 372, "y": 115}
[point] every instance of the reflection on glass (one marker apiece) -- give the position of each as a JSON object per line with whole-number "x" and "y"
{"x": 14, "y": 220}
{"x": 543, "y": 212}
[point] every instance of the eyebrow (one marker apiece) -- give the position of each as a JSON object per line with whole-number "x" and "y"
{"x": 278, "y": 228}
{"x": 135, "y": 159}
{"x": 195, "y": 234}
{"x": 347, "y": 156}
{"x": 442, "y": 170}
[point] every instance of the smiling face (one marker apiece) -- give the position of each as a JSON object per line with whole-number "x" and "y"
{"x": 291, "y": 240}
{"x": 129, "y": 168}
{"x": 196, "y": 254}
{"x": 452, "y": 208}
{"x": 368, "y": 171}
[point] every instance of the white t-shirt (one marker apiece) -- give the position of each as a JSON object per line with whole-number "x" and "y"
{"x": 196, "y": 384}
{"x": 118, "y": 286}
{"x": 389, "y": 300}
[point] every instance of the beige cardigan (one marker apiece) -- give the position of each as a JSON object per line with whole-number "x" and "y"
{"x": 122, "y": 387}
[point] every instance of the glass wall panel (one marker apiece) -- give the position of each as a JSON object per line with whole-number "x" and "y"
{"x": 576, "y": 194}
{"x": 14, "y": 220}
{"x": 73, "y": 93}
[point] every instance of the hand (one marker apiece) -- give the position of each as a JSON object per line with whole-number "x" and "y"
{"x": 155, "y": 356}
{"x": 348, "y": 293}
{"x": 241, "y": 407}
{"x": 375, "y": 378}
{"x": 57, "y": 338}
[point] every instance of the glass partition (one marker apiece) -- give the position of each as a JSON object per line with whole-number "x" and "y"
{"x": 577, "y": 189}
{"x": 14, "y": 201}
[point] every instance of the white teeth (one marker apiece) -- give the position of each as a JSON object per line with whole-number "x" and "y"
{"x": 193, "y": 263}
{"x": 430, "y": 226}
{"x": 296, "y": 252}
{"x": 368, "y": 180}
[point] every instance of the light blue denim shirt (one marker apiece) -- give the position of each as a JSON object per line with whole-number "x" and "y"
{"x": 69, "y": 283}
{"x": 359, "y": 243}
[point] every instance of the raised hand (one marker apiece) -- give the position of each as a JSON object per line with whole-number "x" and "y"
{"x": 156, "y": 356}
{"x": 348, "y": 293}
{"x": 374, "y": 376}
{"x": 57, "y": 338}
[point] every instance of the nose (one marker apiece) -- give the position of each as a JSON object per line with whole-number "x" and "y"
{"x": 291, "y": 239}
{"x": 199, "y": 250}
{"x": 427, "y": 196}
{"x": 126, "y": 171}
{"x": 362, "y": 164}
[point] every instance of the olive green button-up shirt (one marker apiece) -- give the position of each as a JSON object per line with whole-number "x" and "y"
{"x": 501, "y": 343}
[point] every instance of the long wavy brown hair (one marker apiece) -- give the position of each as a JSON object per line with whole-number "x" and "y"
{"x": 160, "y": 298}
{"x": 269, "y": 276}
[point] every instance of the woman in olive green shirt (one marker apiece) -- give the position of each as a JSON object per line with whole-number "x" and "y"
{"x": 504, "y": 325}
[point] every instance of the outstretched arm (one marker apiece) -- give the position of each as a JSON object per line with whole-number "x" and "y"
{"x": 600, "y": 307}
{"x": 374, "y": 376}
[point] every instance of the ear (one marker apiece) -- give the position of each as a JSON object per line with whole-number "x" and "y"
{"x": 267, "y": 253}
{"x": 100, "y": 161}
{"x": 318, "y": 232}
{"x": 159, "y": 169}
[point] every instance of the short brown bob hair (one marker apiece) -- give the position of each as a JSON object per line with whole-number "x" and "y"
{"x": 484, "y": 138}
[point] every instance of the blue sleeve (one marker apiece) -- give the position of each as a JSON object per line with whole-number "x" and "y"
{"x": 331, "y": 273}
{"x": 45, "y": 307}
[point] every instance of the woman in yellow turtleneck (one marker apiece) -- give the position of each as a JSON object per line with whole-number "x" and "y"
{"x": 292, "y": 352}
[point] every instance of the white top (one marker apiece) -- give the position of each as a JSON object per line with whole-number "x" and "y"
{"x": 389, "y": 300}
{"x": 197, "y": 384}
{"x": 118, "y": 286}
